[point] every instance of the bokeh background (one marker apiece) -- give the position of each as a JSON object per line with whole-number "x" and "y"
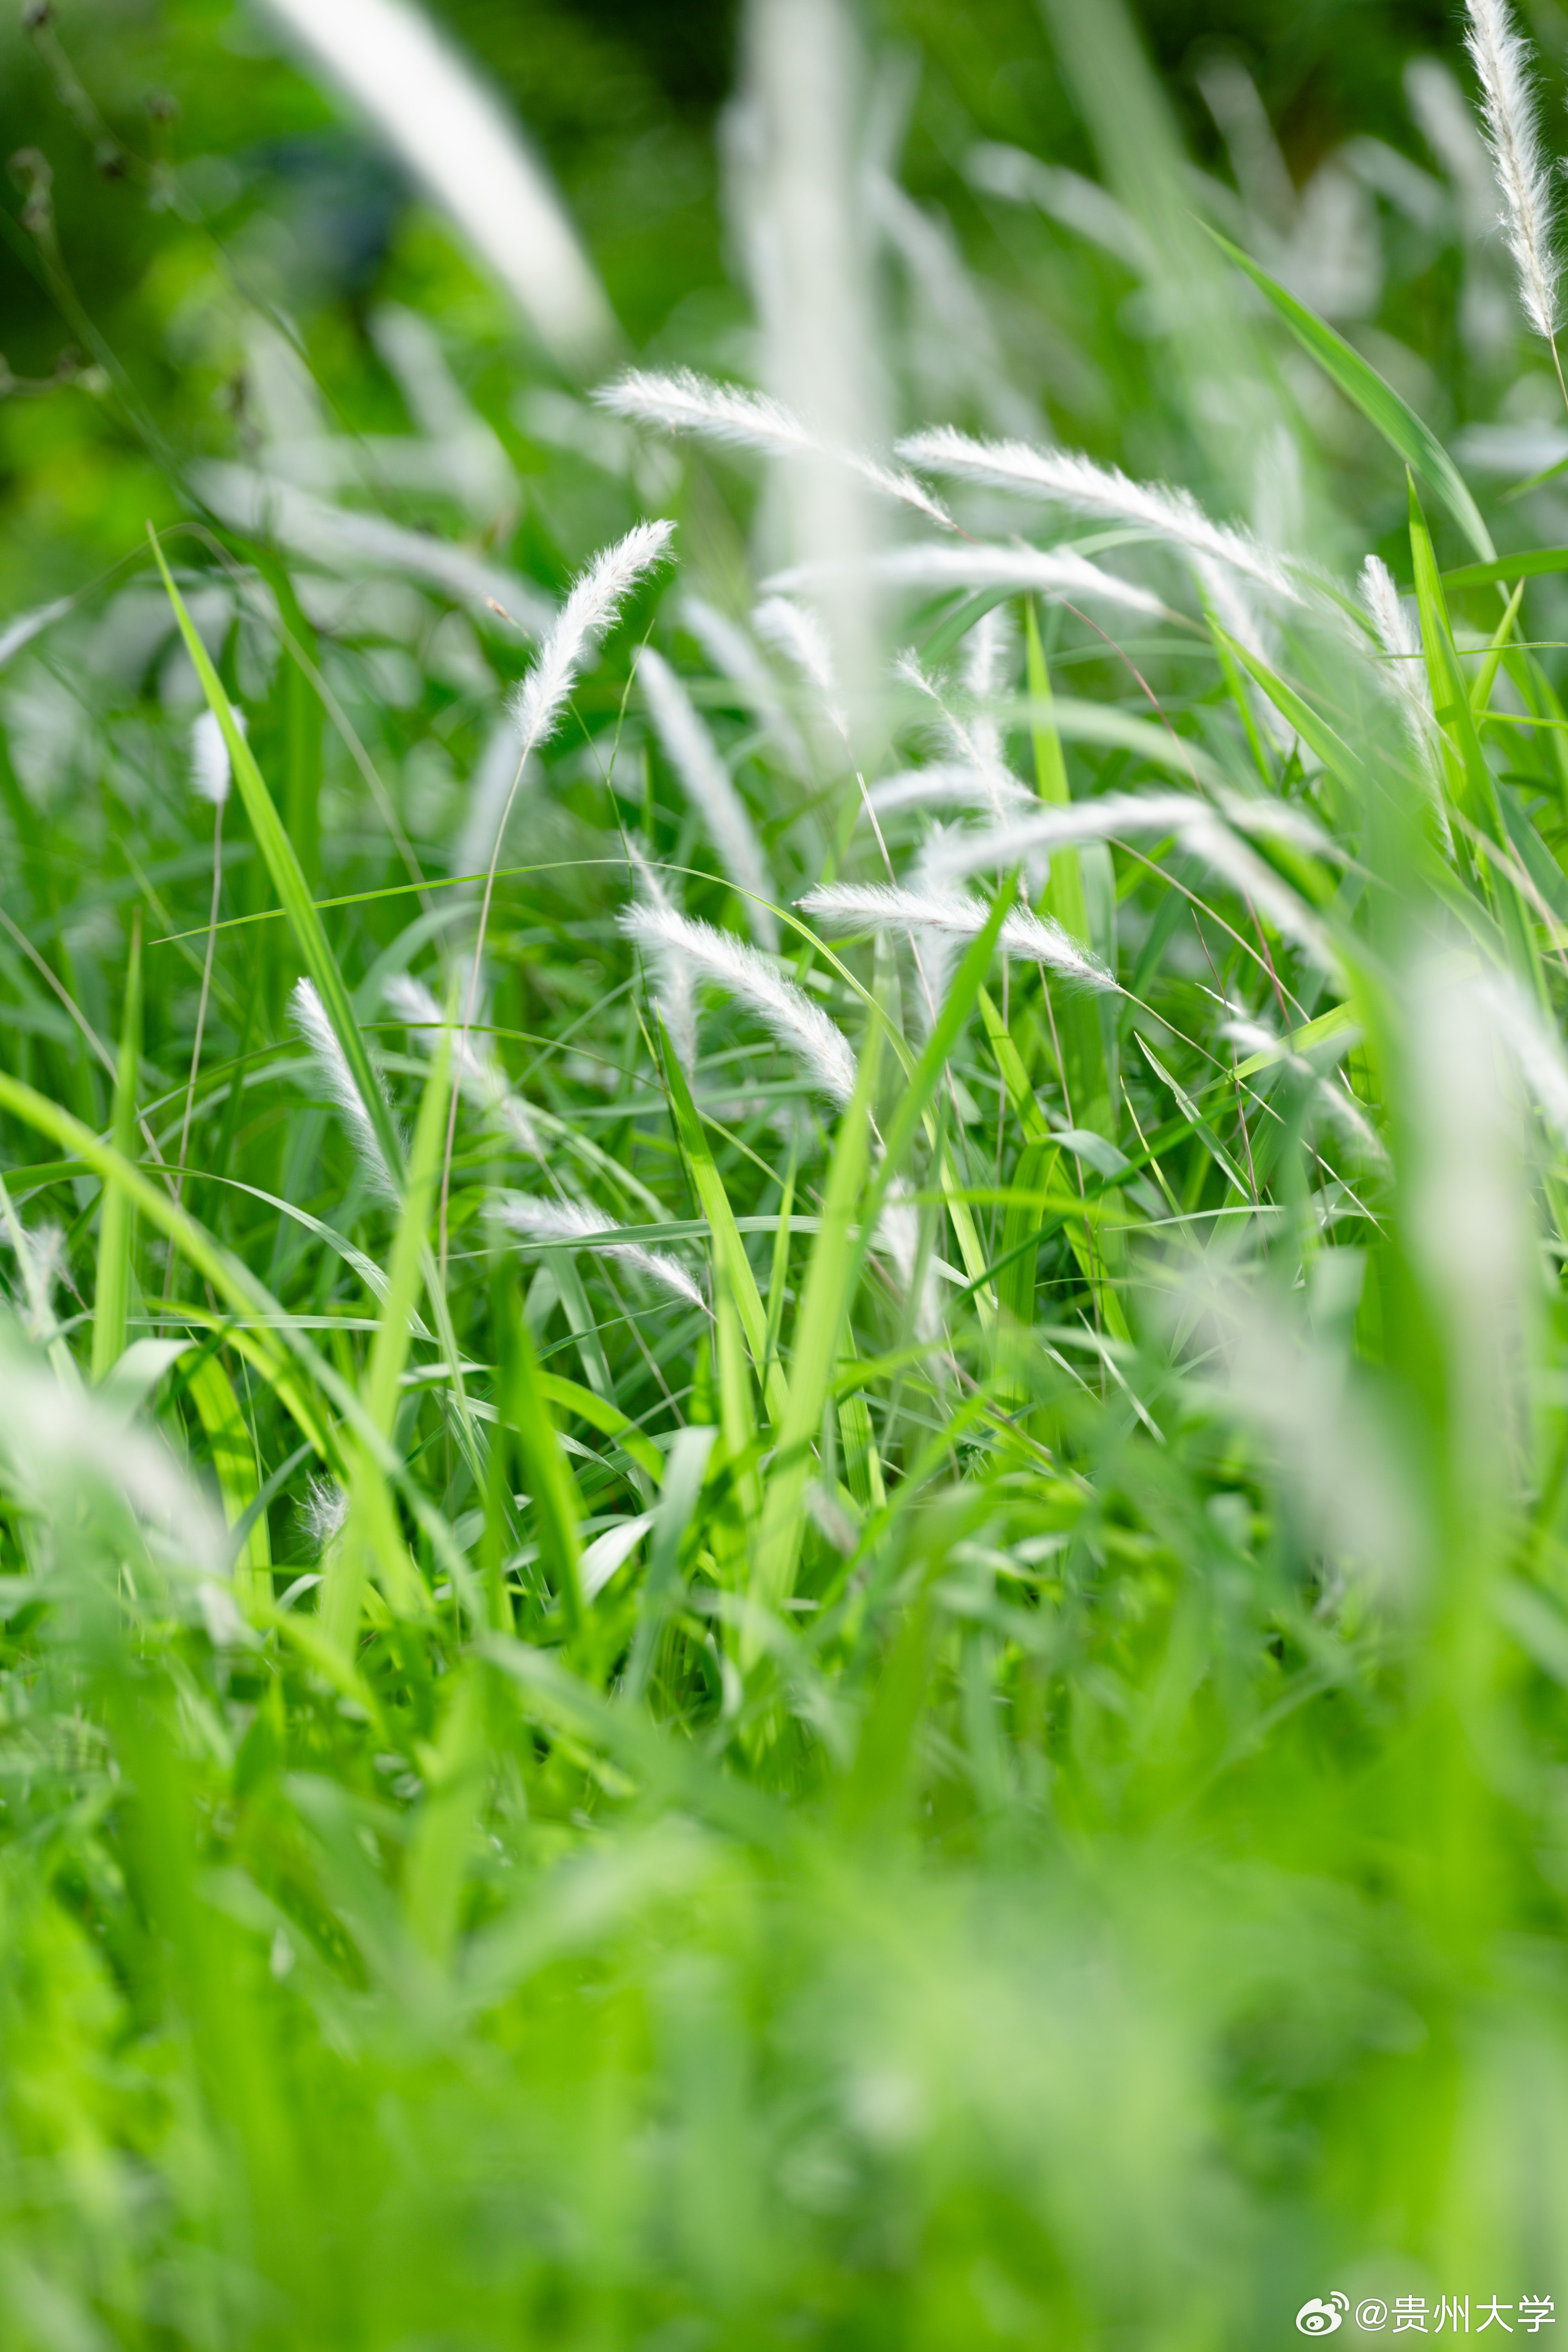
{"x": 625, "y": 101}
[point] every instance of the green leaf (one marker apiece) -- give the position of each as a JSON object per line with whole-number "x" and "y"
{"x": 1532, "y": 565}
{"x": 1378, "y": 402}
{"x": 824, "y": 1305}
{"x": 289, "y": 878}
{"x": 728, "y": 1247}
{"x": 117, "y": 1225}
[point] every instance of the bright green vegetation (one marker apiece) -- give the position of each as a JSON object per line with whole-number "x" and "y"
{"x": 984, "y": 1763}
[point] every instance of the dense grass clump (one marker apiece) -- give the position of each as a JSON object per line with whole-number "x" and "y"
{"x": 784, "y": 1407}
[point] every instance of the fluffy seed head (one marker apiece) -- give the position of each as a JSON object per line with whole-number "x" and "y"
{"x": 736, "y": 418}
{"x": 1077, "y": 482}
{"x": 818, "y": 1045}
{"x": 566, "y": 1221}
{"x": 1502, "y": 62}
{"x": 309, "y": 1017}
{"x": 210, "y": 772}
{"x": 873, "y": 906}
{"x": 591, "y": 608}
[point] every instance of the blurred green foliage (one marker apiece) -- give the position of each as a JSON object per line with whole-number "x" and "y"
{"x": 1121, "y": 1890}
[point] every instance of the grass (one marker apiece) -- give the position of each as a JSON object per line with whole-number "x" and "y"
{"x": 979, "y": 1762}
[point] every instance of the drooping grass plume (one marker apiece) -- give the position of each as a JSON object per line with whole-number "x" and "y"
{"x": 40, "y": 1255}
{"x": 309, "y": 1017}
{"x": 1069, "y": 479}
{"x": 1045, "y": 571}
{"x": 343, "y": 540}
{"x": 793, "y": 630}
{"x": 324, "y": 1512}
{"x": 976, "y": 741}
{"x": 948, "y": 783}
{"x": 565, "y": 1220}
{"x": 708, "y": 785}
{"x": 480, "y": 1077}
{"x": 1509, "y": 106}
{"x": 898, "y": 1233}
{"x": 1118, "y": 815}
{"x": 733, "y": 417}
{"x": 873, "y": 906}
{"x": 785, "y": 1010}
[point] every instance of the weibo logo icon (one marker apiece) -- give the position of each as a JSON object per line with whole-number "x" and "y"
{"x": 1320, "y": 2318}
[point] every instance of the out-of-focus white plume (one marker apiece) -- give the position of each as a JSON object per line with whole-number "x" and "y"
{"x": 210, "y": 773}
{"x": 1074, "y": 481}
{"x": 674, "y": 992}
{"x": 428, "y": 102}
{"x": 482, "y": 1080}
{"x": 693, "y": 754}
{"x": 1051, "y": 571}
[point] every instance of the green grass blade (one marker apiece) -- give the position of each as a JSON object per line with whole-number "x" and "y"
{"x": 117, "y": 1225}
{"x": 288, "y": 879}
{"x": 728, "y": 1247}
{"x": 1378, "y": 402}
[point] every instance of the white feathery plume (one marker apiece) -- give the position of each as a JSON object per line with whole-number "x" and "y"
{"x": 873, "y": 906}
{"x": 1536, "y": 1050}
{"x": 899, "y": 1232}
{"x": 591, "y": 608}
{"x": 1072, "y": 480}
{"x": 344, "y": 541}
{"x": 977, "y": 742}
{"x": 736, "y": 659}
{"x": 60, "y": 1441}
{"x": 40, "y": 1262}
{"x": 482, "y": 1079}
{"x": 210, "y": 773}
{"x": 309, "y": 1016}
{"x": 706, "y": 781}
{"x": 1048, "y": 571}
{"x": 674, "y": 992}
{"x": 1200, "y": 829}
{"x": 950, "y": 783}
{"x": 464, "y": 143}
{"x": 324, "y": 1512}
{"x": 27, "y": 625}
{"x": 736, "y": 418}
{"x": 784, "y": 1010}
{"x": 991, "y": 647}
{"x": 987, "y": 662}
{"x": 796, "y": 632}
{"x": 1502, "y": 61}
{"x": 1406, "y": 670}
{"x": 553, "y": 1220}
